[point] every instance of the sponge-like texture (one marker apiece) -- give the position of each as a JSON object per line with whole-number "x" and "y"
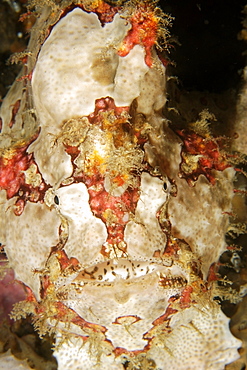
{"x": 197, "y": 342}
{"x": 78, "y": 64}
{"x": 86, "y": 232}
{"x": 29, "y": 239}
{"x": 193, "y": 214}
{"x": 143, "y": 235}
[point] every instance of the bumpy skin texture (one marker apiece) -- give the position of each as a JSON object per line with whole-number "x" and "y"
{"x": 113, "y": 245}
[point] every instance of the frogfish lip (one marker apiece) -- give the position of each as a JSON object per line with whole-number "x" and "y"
{"x": 170, "y": 274}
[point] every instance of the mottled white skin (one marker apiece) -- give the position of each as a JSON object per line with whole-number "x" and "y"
{"x": 87, "y": 233}
{"x": 73, "y": 75}
{"x": 208, "y": 332}
{"x": 204, "y": 330}
{"x": 125, "y": 294}
{"x": 105, "y": 304}
{"x": 152, "y": 87}
{"x": 29, "y": 239}
{"x": 69, "y": 76}
{"x": 84, "y": 71}
{"x": 74, "y": 355}
{"x": 143, "y": 235}
{"x": 53, "y": 161}
{"x": 197, "y": 215}
{"x": 205, "y": 349}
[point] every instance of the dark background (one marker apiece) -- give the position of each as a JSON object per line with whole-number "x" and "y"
{"x": 210, "y": 55}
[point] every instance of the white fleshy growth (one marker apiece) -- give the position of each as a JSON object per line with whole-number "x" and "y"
{"x": 120, "y": 305}
{"x": 78, "y": 64}
{"x": 193, "y": 214}
{"x": 69, "y": 76}
{"x": 74, "y": 355}
{"x": 153, "y": 86}
{"x": 197, "y": 341}
{"x": 29, "y": 239}
{"x": 144, "y": 235}
{"x": 53, "y": 161}
{"x": 86, "y": 232}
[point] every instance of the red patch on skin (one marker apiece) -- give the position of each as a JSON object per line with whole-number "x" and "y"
{"x": 24, "y": 16}
{"x": 105, "y": 105}
{"x": 111, "y": 209}
{"x": 144, "y": 31}
{"x": 65, "y": 314}
{"x": 25, "y": 77}
{"x": 120, "y": 320}
{"x": 118, "y": 351}
{"x": 185, "y": 299}
{"x": 30, "y": 295}
{"x": 115, "y": 235}
{"x": 73, "y": 151}
{"x": 243, "y": 192}
{"x": 213, "y": 273}
{"x": 165, "y": 317}
{"x": 11, "y": 169}
{"x": 29, "y": 193}
{"x": 15, "y": 109}
{"x": 66, "y": 262}
{"x": 58, "y": 310}
{"x": 104, "y": 11}
{"x": 13, "y": 163}
{"x": 77, "y": 320}
{"x": 163, "y": 59}
{"x": 172, "y": 247}
{"x": 101, "y": 201}
{"x": 19, "y": 207}
{"x": 45, "y": 283}
{"x": 210, "y": 157}
{"x": 233, "y": 247}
